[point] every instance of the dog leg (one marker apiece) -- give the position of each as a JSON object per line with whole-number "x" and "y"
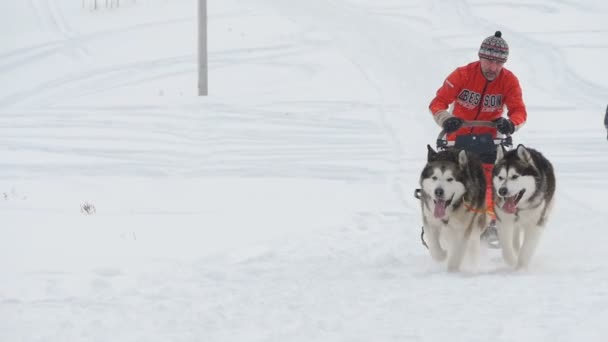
{"x": 474, "y": 247}
{"x": 431, "y": 234}
{"x": 505, "y": 229}
{"x": 517, "y": 238}
{"x": 532, "y": 235}
{"x": 459, "y": 247}
{"x": 457, "y": 253}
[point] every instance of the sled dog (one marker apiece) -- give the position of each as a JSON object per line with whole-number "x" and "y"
{"x": 523, "y": 184}
{"x": 452, "y": 197}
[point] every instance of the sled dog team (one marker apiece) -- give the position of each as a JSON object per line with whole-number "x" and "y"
{"x": 452, "y": 196}
{"x": 455, "y": 193}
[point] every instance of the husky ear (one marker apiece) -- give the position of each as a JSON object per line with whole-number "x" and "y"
{"x": 431, "y": 153}
{"x": 500, "y": 153}
{"x": 463, "y": 159}
{"x": 524, "y": 154}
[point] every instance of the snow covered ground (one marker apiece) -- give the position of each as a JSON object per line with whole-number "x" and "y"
{"x": 280, "y": 207}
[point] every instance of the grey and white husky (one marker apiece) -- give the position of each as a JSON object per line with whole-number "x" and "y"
{"x": 524, "y": 187}
{"x": 452, "y": 195}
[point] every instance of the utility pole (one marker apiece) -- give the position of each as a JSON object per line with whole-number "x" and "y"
{"x": 606, "y": 119}
{"x": 202, "y": 48}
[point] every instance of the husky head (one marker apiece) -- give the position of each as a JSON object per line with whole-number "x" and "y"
{"x": 515, "y": 178}
{"x": 443, "y": 180}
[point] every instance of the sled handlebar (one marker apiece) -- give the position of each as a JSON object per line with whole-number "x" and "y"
{"x": 442, "y": 141}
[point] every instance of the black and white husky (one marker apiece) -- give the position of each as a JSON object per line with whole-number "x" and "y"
{"x": 452, "y": 195}
{"x": 524, "y": 186}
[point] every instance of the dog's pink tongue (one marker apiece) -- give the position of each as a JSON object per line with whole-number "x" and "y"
{"x": 510, "y": 207}
{"x": 439, "y": 209}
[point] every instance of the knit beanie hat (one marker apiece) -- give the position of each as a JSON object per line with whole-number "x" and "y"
{"x": 494, "y": 48}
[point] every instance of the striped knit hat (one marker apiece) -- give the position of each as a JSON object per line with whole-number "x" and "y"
{"x": 494, "y": 48}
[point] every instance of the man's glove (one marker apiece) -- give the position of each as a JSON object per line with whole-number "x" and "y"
{"x": 452, "y": 124}
{"x": 504, "y": 126}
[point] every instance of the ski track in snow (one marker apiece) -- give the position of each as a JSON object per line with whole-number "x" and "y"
{"x": 308, "y": 143}
{"x": 23, "y": 56}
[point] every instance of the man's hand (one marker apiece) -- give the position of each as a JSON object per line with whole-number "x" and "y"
{"x": 504, "y": 126}
{"x": 452, "y": 124}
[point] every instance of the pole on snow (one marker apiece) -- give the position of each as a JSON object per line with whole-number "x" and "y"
{"x": 202, "y": 48}
{"x": 606, "y": 119}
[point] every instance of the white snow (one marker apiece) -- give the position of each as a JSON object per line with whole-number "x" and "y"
{"x": 280, "y": 207}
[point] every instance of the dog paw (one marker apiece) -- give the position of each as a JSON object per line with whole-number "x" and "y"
{"x": 509, "y": 258}
{"x": 438, "y": 254}
{"x": 453, "y": 266}
{"x": 522, "y": 265}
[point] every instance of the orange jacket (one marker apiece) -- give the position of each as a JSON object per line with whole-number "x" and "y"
{"x": 476, "y": 98}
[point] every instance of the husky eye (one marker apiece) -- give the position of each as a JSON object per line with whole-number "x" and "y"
{"x": 434, "y": 178}
{"x": 501, "y": 178}
{"x": 514, "y": 177}
{"x": 450, "y": 179}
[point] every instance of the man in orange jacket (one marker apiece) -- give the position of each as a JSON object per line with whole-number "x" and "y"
{"x": 480, "y": 91}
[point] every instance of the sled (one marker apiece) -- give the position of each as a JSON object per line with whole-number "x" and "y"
{"x": 484, "y": 145}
